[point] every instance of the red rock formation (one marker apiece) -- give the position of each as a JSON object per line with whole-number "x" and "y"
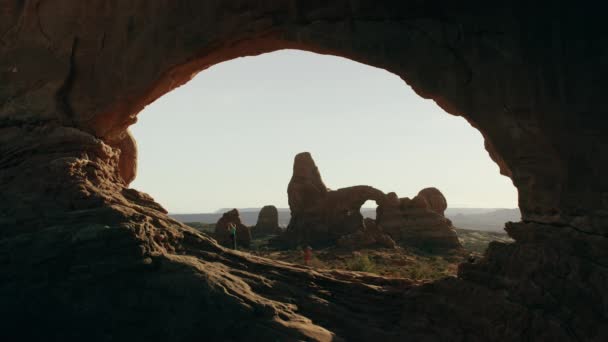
{"x": 372, "y": 235}
{"x": 435, "y": 200}
{"x": 306, "y": 188}
{"x": 268, "y": 222}
{"x": 416, "y": 223}
{"x": 222, "y": 229}
{"x": 320, "y": 216}
{"x": 77, "y": 246}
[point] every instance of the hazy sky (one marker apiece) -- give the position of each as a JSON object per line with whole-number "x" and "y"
{"x": 228, "y": 137}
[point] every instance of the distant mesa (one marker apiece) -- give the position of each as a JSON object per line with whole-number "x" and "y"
{"x": 222, "y": 233}
{"x": 323, "y": 217}
{"x": 268, "y": 223}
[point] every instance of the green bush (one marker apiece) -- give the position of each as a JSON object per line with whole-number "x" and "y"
{"x": 361, "y": 263}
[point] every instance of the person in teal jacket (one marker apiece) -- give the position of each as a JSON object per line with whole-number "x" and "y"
{"x": 232, "y": 231}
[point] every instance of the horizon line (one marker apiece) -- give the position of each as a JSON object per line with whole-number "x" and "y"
{"x": 219, "y": 211}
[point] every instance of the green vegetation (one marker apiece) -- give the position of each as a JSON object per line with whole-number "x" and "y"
{"x": 261, "y": 243}
{"x": 430, "y": 268}
{"x": 361, "y": 263}
{"x": 203, "y": 227}
{"x": 476, "y": 241}
{"x": 416, "y": 264}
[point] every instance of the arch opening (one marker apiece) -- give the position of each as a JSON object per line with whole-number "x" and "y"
{"x": 247, "y": 118}
{"x": 72, "y": 87}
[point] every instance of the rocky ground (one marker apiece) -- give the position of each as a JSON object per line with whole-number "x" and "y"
{"x": 399, "y": 262}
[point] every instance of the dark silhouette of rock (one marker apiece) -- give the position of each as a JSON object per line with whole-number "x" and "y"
{"x": 306, "y": 188}
{"x": 76, "y": 247}
{"x": 415, "y": 223}
{"x": 372, "y": 235}
{"x": 268, "y": 222}
{"x": 320, "y": 216}
{"x": 435, "y": 200}
{"x": 222, "y": 232}
{"x": 326, "y": 217}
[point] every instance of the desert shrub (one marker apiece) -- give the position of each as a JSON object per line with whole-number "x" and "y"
{"x": 361, "y": 263}
{"x": 427, "y": 269}
{"x": 260, "y": 244}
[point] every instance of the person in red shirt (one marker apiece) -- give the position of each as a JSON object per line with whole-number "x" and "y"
{"x": 307, "y": 255}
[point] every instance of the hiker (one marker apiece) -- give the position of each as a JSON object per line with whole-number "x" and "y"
{"x": 232, "y": 231}
{"x": 307, "y": 255}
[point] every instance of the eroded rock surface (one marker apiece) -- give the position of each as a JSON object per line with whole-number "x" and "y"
{"x": 320, "y": 216}
{"x": 77, "y": 246}
{"x": 435, "y": 199}
{"x": 417, "y": 223}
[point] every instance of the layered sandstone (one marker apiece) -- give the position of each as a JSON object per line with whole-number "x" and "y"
{"x": 78, "y": 246}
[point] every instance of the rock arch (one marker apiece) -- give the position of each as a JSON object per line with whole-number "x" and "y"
{"x": 74, "y": 75}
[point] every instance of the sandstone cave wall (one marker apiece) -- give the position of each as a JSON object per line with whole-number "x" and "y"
{"x": 531, "y": 76}
{"x": 93, "y": 65}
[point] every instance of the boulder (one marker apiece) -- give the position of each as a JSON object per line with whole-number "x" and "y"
{"x": 222, "y": 233}
{"x": 268, "y": 222}
{"x": 435, "y": 200}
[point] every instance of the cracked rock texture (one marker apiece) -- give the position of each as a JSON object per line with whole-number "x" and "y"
{"x": 83, "y": 257}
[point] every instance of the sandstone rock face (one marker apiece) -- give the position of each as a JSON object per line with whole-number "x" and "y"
{"x": 418, "y": 223}
{"x": 222, "y": 232}
{"x": 268, "y": 222}
{"x": 372, "y": 235}
{"x": 306, "y": 188}
{"x": 78, "y": 246}
{"x": 435, "y": 200}
{"x": 320, "y": 216}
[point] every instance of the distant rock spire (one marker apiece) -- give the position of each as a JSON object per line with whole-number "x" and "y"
{"x": 306, "y": 186}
